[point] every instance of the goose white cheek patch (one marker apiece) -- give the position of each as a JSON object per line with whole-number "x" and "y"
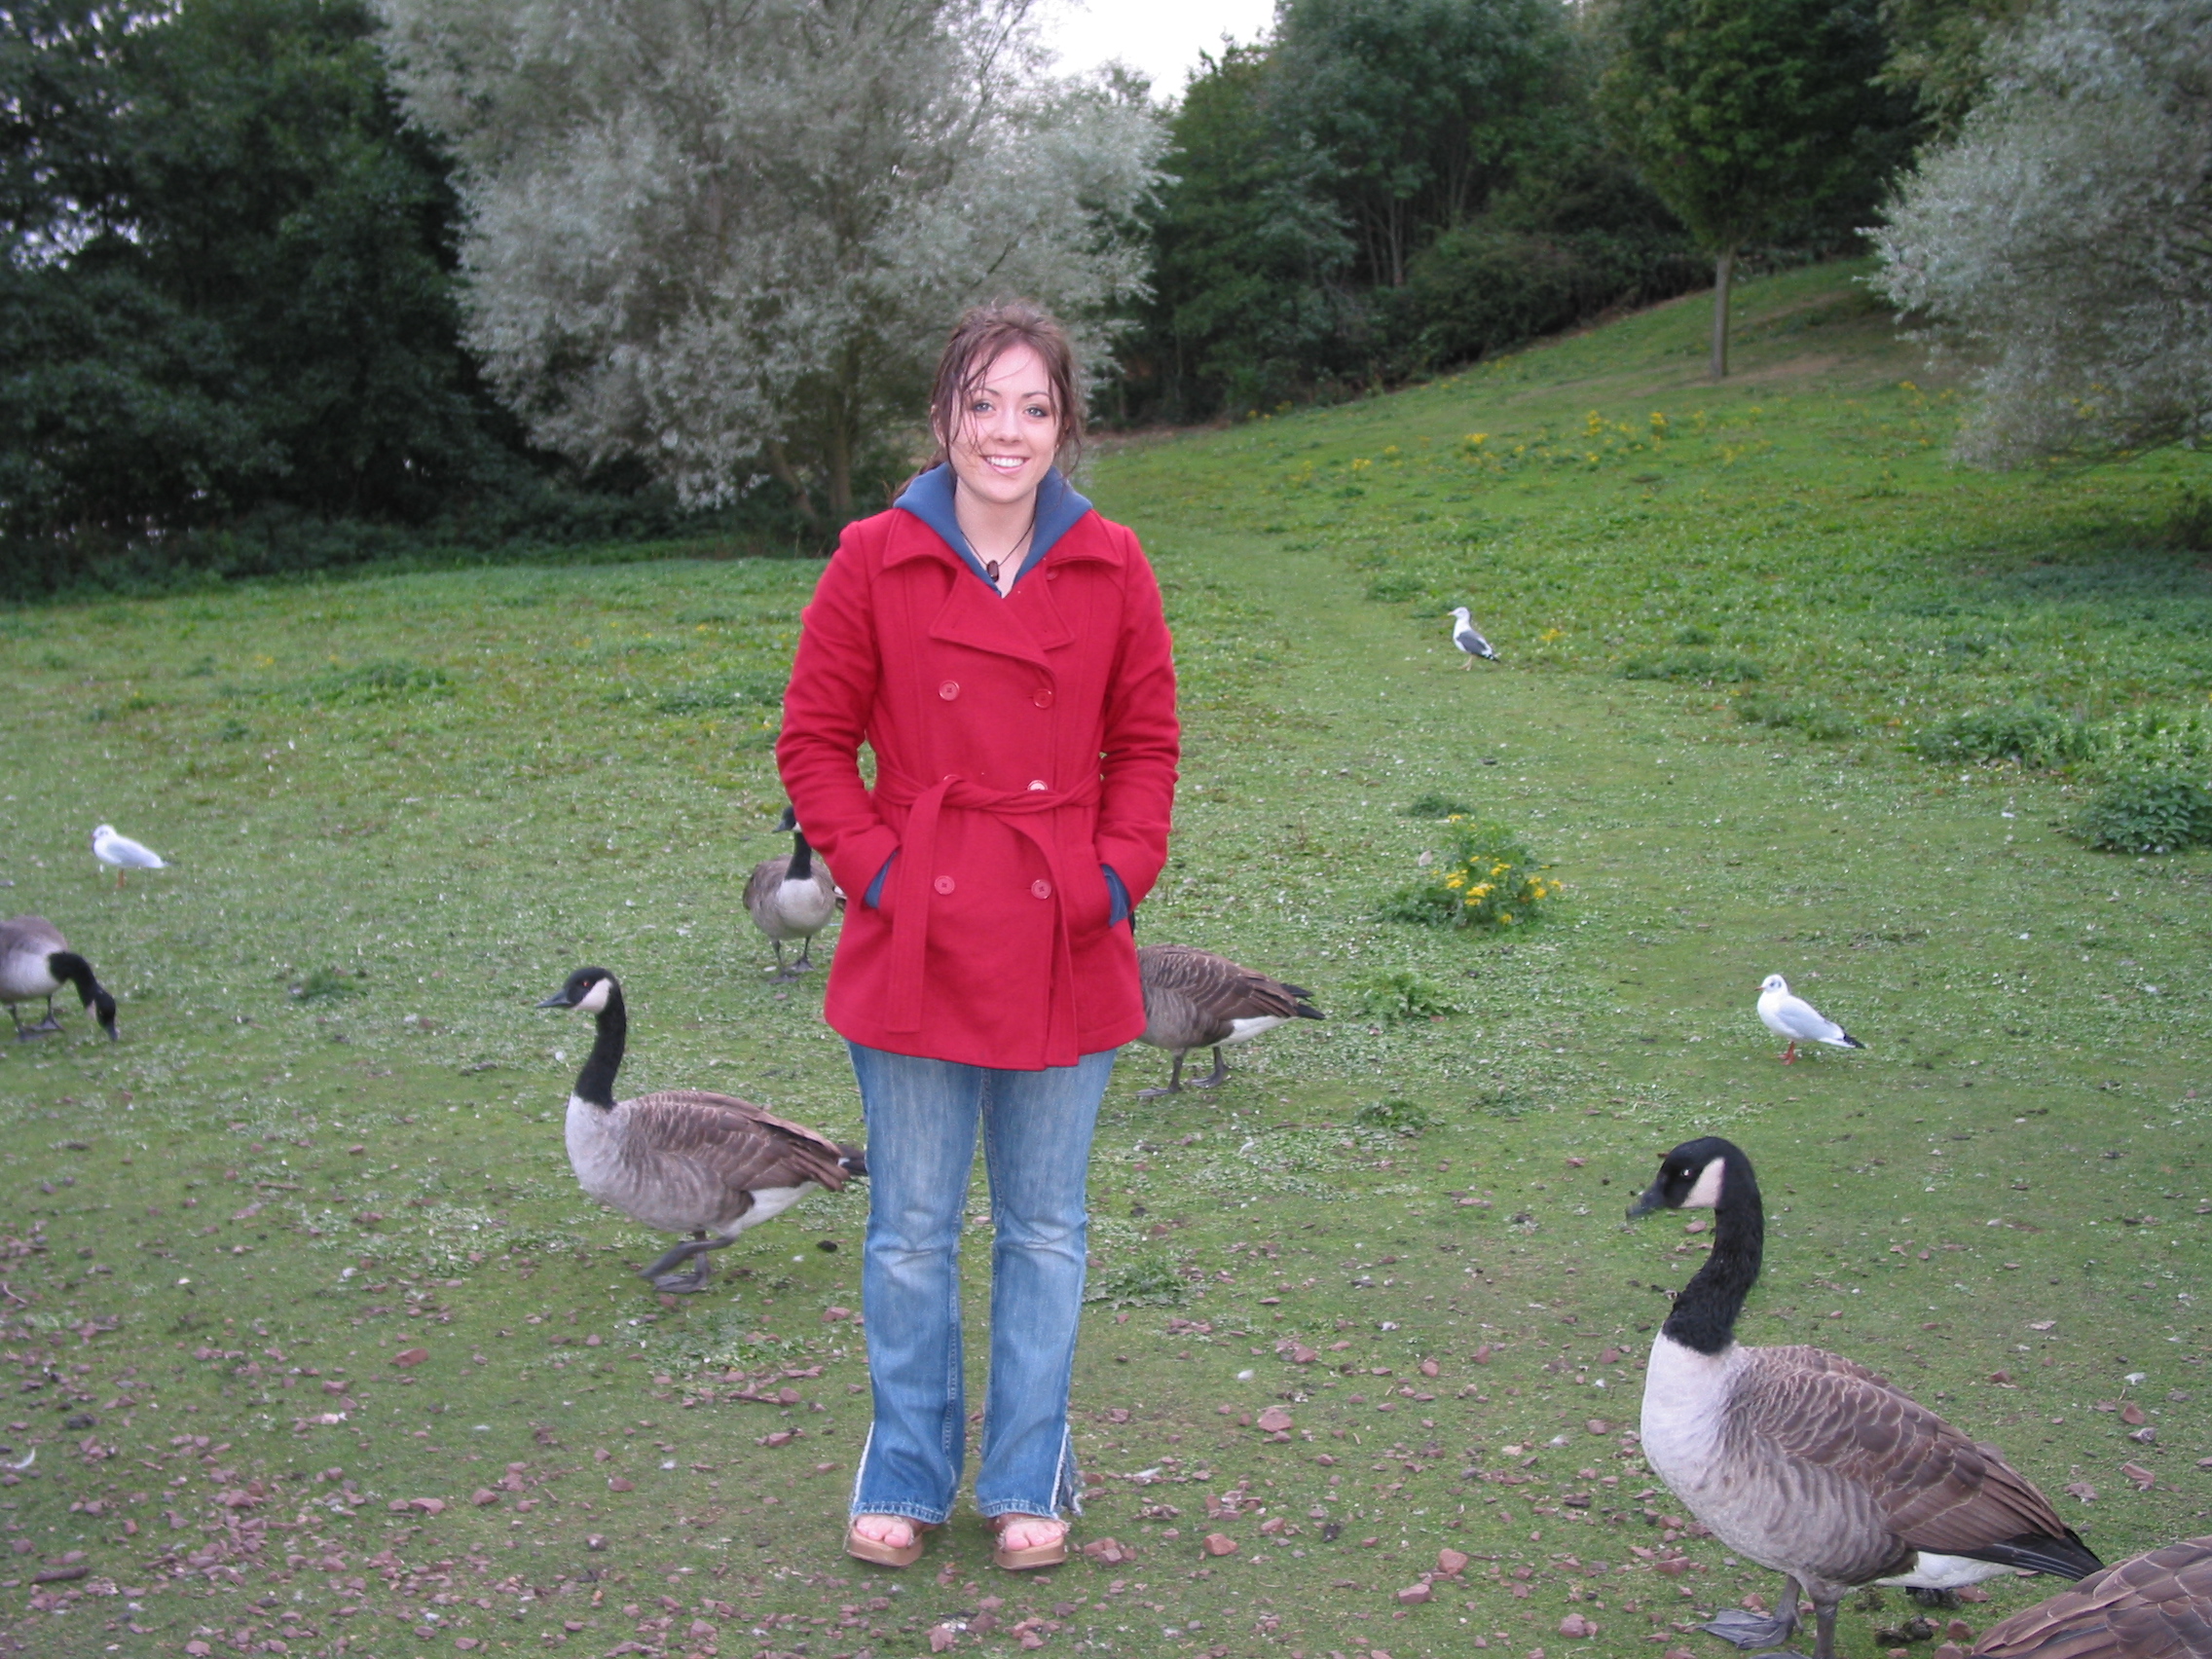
{"x": 595, "y": 999}
{"x": 1705, "y": 1195}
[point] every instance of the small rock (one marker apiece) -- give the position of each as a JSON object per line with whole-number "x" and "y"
{"x": 1412, "y": 1594}
{"x": 1599, "y": 1426}
{"x": 410, "y": 1356}
{"x": 620, "y": 1483}
{"x": 427, "y": 1506}
{"x": 1451, "y": 1563}
{"x": 1274, "y": 1419}
{"x": 1218, "y": 1544}
{"x": 483, "y": 1495}
{"x": 1575, "y": 1624}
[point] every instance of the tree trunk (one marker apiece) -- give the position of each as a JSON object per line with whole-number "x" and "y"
{"x": 781, "y": 465}
{"x": 1724, "y": 267}
{"x": 841, "y": 464}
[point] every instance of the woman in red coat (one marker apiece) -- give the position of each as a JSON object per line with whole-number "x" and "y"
{"x": 1000, "y": 649}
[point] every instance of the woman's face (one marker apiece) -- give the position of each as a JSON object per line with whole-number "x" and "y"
{"x": 1010, "y": 430}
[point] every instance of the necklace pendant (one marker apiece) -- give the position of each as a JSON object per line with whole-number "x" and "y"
{"x": 991, "y": 569}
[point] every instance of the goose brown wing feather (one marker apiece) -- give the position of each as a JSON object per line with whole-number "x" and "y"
{"x": 1937, "y": 1488}
{"x": 2158, "y": 1605}
{"x": 767, "y": 875}
{"x": 748, "y": 1147}
{"x": 1217, "y": 990}
{"x": 30, "y": 932}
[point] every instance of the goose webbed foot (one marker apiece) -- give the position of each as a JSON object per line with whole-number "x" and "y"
{"x": 28, "y": 1033}
{"x": 1753, "y": 1632}
{"x": 661, "y": 1274}
{"x": 1220, "y": 1073}
{"x": 1174, "y": 1083}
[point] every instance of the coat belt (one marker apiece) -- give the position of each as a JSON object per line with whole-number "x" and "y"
{"x": 917, "y": 870}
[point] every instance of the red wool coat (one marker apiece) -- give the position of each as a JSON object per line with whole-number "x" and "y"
{"x": 1020, "y": 743}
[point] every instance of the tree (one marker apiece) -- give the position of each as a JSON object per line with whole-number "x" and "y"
{"x": 2067, "y": 231}
{"x": 1940, "y": 52}
{"x": 1746, "y": 116}
{"x": 227, "y": 278}
{"x": 729, "y": 235}
{"x": 1249, "y": 254}
{"x": 1422, "y": 107}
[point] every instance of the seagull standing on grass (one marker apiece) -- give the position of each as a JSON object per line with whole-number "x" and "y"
{"x": 1797, "y": 1019}
{"x": 124, "y": 853}
{"x": 1469, "y": 638}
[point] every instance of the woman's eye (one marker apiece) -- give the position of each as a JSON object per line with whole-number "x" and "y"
{"x": 1038, "y": 412}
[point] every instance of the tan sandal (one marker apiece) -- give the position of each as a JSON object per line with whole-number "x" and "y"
{"x": 861, "y": 1547}
{"x": 1029, "y": 1555}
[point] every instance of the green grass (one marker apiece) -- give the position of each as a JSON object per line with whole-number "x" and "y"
{"x": 401, "y": 808}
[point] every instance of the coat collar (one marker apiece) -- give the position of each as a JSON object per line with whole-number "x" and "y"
{"x": 927, "y": 502}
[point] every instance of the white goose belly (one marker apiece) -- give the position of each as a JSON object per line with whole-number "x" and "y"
{"x": 26, "y": 973}
{"x": 1785, "y": 1512}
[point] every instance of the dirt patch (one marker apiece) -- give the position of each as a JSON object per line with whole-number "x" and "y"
{"x": 1791, "y": 368}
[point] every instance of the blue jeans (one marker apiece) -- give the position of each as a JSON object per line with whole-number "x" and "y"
{"x": 921, "y": 1145}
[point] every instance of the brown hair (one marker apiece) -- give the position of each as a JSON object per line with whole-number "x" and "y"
{"x": 977, "y": 339}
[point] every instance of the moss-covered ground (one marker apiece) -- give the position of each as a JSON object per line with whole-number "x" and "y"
{"x": 319, "y": 1350}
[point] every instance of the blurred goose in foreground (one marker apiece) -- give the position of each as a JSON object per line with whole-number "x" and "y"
{"x": 684, "y": 1161}
{"x": 36, "y": 961}
{"x": 124, "y": 854}
{"x": 1469, "y": 638}
{"x": 2159, "y": 1605}
{"x": 1793, "y": 1016}
{"x": 790, "y": 897}
{"x": 1194, "y": 999}
{"x": 1807, "y": 1463}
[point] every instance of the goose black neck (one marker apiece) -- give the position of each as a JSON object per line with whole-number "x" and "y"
{"x": 802, "y": 866}
{"x": 1705, "y": 1314}
{"x": 71, "y": 969}
{"x": 595, "y": 1083}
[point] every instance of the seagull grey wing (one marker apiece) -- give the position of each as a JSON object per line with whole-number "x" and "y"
{"x": 2158, "y": 1605}
{"x": 1473, "y": 644}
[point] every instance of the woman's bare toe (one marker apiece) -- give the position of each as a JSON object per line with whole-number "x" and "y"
{"x": 1029, "y": 1532}
{"x": 895, "y": 1531}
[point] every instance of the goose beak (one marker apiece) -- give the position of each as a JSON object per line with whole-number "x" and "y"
{"x": 558, "y": 999}
{"x": 1653, "y": 1198}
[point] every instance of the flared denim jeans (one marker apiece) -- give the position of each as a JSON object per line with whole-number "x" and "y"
{"x": 922, "y": 1119}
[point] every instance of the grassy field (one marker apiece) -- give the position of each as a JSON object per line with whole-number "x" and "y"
{"x": 320, "y": 1350}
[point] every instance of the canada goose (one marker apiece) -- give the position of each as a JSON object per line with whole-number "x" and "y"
{"x": 2159, "y": 1605}
{"x": 1793, "y": 1017}
{"x": 124, "y": 853}
{"x": 791, "y": 897}
{"x": 1194, "y": 998}
{"x": 1469, "y": 638}
{"x": 682, "y": 1159}
{"x": 1807, "y": 1463}
{"x": 36, "y": 961}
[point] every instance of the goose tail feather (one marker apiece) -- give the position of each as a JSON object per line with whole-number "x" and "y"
{"x": 2040, "y": 1552}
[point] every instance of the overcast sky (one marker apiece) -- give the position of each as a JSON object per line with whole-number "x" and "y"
{"x": 1162, "y": 38}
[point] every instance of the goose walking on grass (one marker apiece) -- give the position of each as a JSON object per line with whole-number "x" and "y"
{"x": 1807, "y": 1463}
{"x": 1469, "y": 638}
{"x": 790, "y": 897}
{"x": 1194, "y": 999}
{"x": 36, "y": 962}
{"x": 2158, "y": 1605}
{"x": 1793, "y": 1016}
{"x": 684, "y": 1160}
{"x": 123, "y": 853}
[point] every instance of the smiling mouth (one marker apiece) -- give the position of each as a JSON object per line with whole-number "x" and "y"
{"x": 1006, "y": 462}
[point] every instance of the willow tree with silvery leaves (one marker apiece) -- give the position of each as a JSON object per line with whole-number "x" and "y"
{"x": 727, "y": 237}
{"x": 2065, "y": 236}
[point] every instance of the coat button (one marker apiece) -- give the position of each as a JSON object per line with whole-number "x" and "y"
{"x": 1039, "y": 784}
{"x": 944, "y": 884}
{"x": 1042, "y": 888}
{"x": 949, "y": 689}
{"x": 1041, "y": 696}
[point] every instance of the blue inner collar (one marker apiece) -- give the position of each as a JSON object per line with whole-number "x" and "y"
{"x": 929, "y": 499}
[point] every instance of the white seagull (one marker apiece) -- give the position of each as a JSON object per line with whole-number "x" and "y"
{"x": 1797, "y": 1019}
{"x": 1469, "y": 638}
{"x": 124, "y": 853}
